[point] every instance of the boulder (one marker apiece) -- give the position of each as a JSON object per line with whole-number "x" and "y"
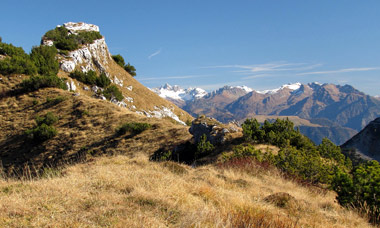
{"x": 215, "y": 131}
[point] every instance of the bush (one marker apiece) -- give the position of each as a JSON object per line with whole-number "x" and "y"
{"x": 41, "y": 133}
{"x": 48, "y": 119}
{"x": 103, "y": 81}
{"x": 63, "y": 40}
{"x": 17, "y": 65}
{"x": 10, "y": 50}
{"x": 44, "y": 58}
{"x": 36, "y": 82}
{"x": 44, "y": 129}
{"x": 113, "y": 92}
{"x": 119, "y": 60}
{"x": 361, "y": 189}
{"x": 88, "y": 78}
{"x": 134, "y": 128}
{"x": 127, "y": 67}
{"x": 280, "y": 133}
{"x": 130, "y": 69}
{"x": 204, "y": 146}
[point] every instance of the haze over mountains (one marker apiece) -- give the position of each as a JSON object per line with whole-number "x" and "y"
{"x": 334, "y": 111}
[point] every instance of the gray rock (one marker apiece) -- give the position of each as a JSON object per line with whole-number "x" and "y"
{"x": 214, "y": 130}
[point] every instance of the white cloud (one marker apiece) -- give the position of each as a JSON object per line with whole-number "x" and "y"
{"x": 268, "y": 67}
{"x": 155, "y": 53}
{"x": 341, "y": 71}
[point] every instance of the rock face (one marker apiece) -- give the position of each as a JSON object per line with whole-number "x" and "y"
{"x": 93, "y": 56}
{"x": 365, "y": 144}
{"x": 215, "y": 131}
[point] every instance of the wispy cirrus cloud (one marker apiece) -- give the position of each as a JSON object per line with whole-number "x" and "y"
{"x": 155, "y": 53}
{"x": 346, "y": 70}
{"x": 267, "y": 67}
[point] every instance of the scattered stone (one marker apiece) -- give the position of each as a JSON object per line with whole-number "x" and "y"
{"x": 71, "y": 85}
{"x": 129, "y": 99}
{"x": 130, "y": 88}
{"x": 86, "y": 88}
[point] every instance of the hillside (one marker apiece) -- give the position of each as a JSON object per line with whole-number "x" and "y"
{"x": 86, "y": 126}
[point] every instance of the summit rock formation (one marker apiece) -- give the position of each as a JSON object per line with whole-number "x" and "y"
{"x": 96, "y": 57}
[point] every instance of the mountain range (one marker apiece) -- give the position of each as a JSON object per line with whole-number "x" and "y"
{"x": 335, "y": 111}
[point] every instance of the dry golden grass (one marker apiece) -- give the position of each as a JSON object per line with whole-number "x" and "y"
{"x": 86, "y": 126}
{"x": 120, "y": 191}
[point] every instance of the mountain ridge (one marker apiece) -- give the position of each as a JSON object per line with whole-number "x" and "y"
{"x": 350, "y": 108}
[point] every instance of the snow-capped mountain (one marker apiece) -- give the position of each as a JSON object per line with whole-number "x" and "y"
{"x": 344, "y": 106}
{"x": 292, "y": 87}
{"x": 176, "y": 92}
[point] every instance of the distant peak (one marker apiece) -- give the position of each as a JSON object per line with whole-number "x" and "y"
{"x": 245, "y": 88}
{"x": 291, "y": 86}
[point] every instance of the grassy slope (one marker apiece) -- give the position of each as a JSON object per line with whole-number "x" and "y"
{"x": 86, "y": 126}
{"x": 126, "y": 190}
{"x": 120, "y": 191}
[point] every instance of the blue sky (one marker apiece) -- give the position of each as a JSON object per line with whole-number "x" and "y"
{"x": 261, "y": 44}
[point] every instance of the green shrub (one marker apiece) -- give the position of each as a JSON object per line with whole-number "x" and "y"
{"x": 10, "y": 50}
{"x": 17, "y": 65}
{"x": 36, "y": 82}
{"x": 44, "y": 58}
{"x": 87, "y": 37}
{"x": 119, "y": 60}
{"x": 44, "y": 129}
{"x": 130, "y": 69}
{"x": 48, "y": 119}
{"x": 204, "y": 146}
{"x": 113, "y": 92}
{"x": 280, "y": 133}
{"x": 41, "y": 133}
{"x": 361, "y": 189}
{"x": 134, "y": 128}
{"x": 103, "y": 80}
{"x": 88, "y": 78}
{"x": 127, "y": 67}
{"x": 63, "y": 40}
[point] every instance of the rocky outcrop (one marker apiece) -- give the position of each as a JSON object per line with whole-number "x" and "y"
{"x": 365, "y": 144}
{"x": 93, "y": 56}
{"x": 215, "y": 131}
